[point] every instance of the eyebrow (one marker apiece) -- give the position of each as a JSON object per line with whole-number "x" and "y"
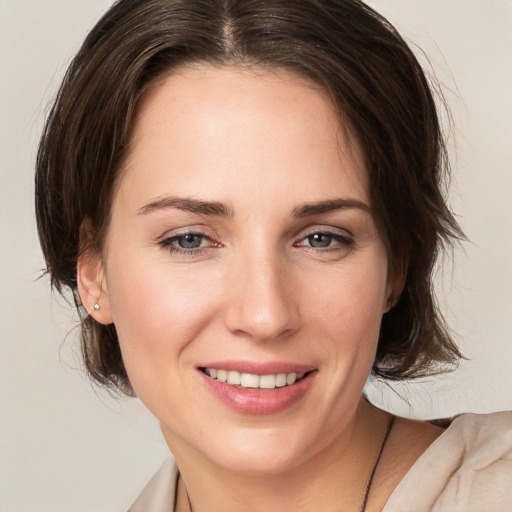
{"x": 215, "y": 208}
{"x": 189, "y": 205}
{"x": 330, "y": 205}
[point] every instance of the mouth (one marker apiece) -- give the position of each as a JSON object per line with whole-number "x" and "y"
{"x": 253, "y": 381}
{"x": 255, "y": 389}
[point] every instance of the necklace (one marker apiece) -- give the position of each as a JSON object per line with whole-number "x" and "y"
{"x": 368, "y": 487}
{"x": 362, "y": 508}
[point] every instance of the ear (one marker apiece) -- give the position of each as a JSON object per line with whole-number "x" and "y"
{"x": 91, "y": 281}
{"x": 395, "y": 286}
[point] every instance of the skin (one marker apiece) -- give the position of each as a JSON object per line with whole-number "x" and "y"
{"x": 263, "y": 145}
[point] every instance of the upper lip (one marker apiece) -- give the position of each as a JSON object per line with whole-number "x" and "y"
{"x": 259, "y": 368}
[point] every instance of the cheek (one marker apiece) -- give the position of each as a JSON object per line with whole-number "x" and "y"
{"x": 348, "y": 309}
{"x": 355, "y": 295}
{"x": 157, "y": 313}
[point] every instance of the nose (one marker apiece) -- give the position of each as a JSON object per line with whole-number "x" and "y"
{"x": 263, "y": 303}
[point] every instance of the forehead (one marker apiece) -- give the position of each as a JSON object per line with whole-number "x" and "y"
{"x": 213, "y": 130}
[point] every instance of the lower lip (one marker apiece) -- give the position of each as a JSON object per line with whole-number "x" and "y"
{"x": 259, "y": 401}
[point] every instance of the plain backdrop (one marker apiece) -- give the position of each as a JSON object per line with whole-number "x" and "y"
{"x": 64, "y": 445}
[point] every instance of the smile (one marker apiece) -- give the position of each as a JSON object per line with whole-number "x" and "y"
{"x": 253, "y": 381}
{"x": 258, "y": 388}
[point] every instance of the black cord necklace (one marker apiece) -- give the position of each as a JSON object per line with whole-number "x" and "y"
{"x": 364, "y": 501}
{"x": 362, "y": 508}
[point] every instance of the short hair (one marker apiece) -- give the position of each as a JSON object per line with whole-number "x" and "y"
{"x": 344, "y": 46}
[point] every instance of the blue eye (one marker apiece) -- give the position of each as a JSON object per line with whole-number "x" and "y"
{"x": 320, "y": 240}
{"x": 187, "y": 243}
{"x": 325, "y": 240}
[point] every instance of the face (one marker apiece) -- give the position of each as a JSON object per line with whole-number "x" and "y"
{"x": 242, "y": 248}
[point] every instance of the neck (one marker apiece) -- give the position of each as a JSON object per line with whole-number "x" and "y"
{"x": 333, "y": 479}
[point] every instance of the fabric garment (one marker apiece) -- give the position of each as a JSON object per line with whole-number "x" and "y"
{"x": 467, "y": 469}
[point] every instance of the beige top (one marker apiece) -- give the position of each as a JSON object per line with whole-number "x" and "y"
{"x": 467, "y": 469}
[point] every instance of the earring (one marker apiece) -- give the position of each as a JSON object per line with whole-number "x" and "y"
{"x": 96, "y": 306}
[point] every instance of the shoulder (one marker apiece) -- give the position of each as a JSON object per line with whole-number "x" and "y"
{"x": 485, "y": 445}
{"x": 467, "y": 468}
{"x": 490, "y": 431}
{"x": 159, "y": 493}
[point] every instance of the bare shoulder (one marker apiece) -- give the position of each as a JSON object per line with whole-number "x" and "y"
{"x": 410, "y": 440}
{"x": 407, "y": 442}
{"x": 416, "y": 431}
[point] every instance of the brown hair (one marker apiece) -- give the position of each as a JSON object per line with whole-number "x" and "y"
{"x": 342, "y": 45}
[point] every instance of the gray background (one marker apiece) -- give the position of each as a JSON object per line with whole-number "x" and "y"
{"x": 65, "y": 446}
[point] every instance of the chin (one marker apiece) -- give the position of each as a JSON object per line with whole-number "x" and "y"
{"x": 264, "y": 464}
{"x": 267, "y": 452}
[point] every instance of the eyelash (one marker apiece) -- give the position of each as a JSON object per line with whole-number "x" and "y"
{"x": 169, "y": 242}
{"x": 343, "y": 240}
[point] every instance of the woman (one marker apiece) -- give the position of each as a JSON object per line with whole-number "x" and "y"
{"x": 244, "y": 199}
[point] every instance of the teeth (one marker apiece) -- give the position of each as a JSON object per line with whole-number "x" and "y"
{"x": 249, "y": 380}
{"x": 280, "y": 380}
{"x": 268, "y": 381}
{"x": 234, "y": 378}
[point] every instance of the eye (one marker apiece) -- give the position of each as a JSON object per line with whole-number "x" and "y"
{"x": 320, "y": 240}
{"x": 325, "y": 240}
{"x": 187, "y": 243}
